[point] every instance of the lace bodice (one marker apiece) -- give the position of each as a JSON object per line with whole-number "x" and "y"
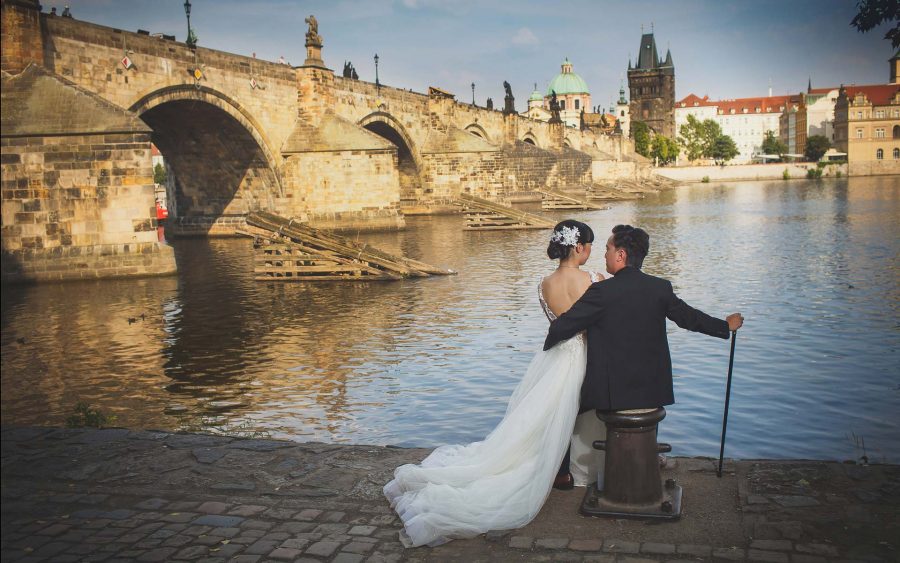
{"x": 595, "y": 277}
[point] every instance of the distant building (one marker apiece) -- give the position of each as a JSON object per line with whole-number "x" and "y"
{"x": 867, "y": 122}
{"x": 745, "y": 120}
{"x": 651, "y": 84}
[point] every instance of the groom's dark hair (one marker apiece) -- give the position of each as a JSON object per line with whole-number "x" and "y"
{"x": 635, "y": 241}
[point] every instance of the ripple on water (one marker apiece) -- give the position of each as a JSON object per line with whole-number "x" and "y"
{"x": 813, "y": 267}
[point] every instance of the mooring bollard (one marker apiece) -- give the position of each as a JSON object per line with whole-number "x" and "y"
{"x": 632, "y": 485}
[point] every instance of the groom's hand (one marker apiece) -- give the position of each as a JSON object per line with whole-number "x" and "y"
{"x": 735, "y": 321}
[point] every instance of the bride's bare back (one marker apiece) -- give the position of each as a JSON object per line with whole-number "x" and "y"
{"x": 564, "y": 287}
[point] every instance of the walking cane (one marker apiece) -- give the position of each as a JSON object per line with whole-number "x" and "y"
{"x": 727, "y": 399}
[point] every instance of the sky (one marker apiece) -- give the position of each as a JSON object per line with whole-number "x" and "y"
{"x": 721, "y": 48}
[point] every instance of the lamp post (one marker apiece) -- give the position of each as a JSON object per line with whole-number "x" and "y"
{"x": 191, "y": 40}
{"x": 473, "y": 93}
{"x": 377, "y": 83}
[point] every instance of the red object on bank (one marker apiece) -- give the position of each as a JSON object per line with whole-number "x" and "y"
{"x": 161, "y": 211}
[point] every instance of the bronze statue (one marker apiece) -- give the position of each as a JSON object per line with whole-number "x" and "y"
{"x": 490, "y": 103}
{"x": 554, "y": 108}
{"x": 509, "y": 103}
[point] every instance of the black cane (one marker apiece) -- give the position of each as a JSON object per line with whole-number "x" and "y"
{"x": 727, "y": 399}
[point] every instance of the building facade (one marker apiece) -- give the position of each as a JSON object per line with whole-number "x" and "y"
{"x": 867, "y": 127}
{"x": 651, "y": 85}
{"x": 745, "y": 120}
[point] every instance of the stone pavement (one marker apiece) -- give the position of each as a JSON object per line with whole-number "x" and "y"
{"x": 135, "y": 495}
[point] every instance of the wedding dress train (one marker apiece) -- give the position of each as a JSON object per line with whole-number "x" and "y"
{"x": 501, "y": 482}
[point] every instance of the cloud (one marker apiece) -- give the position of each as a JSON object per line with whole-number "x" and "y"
{"x": 525, "y": 37}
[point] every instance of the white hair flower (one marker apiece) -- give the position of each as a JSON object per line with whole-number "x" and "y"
{"x": 567, "y": 236}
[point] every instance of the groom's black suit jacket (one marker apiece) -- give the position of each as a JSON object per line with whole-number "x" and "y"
{"x": 628, "y": 362}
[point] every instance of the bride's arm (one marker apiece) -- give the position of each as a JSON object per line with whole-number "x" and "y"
{"x": 580, "y": 316}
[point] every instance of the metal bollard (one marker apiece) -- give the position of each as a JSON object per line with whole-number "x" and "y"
{"x": 632, "y": 484}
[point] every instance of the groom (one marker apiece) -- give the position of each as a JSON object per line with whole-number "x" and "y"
{"x": 628, "y": 361}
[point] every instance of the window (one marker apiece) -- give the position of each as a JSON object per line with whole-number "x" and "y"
{"x": 859, "y": 133}
{"x": 562, "y": 105}
{"x": 897, "y": 113}
{"x": 896, "y": 154}
{"x": 879, "y": 113}
{"x": 879, "y": 133}
{"x": 879, "y": 154}
{"x": 576, "y": 104}
{"x": 859, "y": 115}
{"x": 897, "y": 131}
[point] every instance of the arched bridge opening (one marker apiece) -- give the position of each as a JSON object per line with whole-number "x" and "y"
{"x": 410, "y": 182}
{"x": 220, "y": 167}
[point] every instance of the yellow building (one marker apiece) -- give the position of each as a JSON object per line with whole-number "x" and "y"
{"x": 867, "y": 128}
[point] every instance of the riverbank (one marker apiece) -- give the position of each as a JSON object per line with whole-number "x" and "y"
{"x": 119, "y": 494}
{"x": 745, "y": 172}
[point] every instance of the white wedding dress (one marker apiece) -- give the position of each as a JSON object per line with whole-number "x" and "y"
{"x": 500, "y": 483}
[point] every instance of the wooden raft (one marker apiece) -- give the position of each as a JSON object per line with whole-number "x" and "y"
{"x": 288, "y": 250}
{"x": 486, "y": 215}
{"x": 551, "y": 199}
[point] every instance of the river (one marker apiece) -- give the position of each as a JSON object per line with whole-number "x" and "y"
{"x": 812, "y": 265}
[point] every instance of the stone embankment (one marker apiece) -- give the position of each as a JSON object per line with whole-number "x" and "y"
{"x": 134, "y": 495}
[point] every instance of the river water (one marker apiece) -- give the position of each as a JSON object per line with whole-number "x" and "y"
{"x": 813, "y": 266}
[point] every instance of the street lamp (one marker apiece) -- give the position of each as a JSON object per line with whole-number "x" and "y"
{"x": 473, "y": 93}
{"x": 377, "y": 84}
{"x": 191, "y": 40}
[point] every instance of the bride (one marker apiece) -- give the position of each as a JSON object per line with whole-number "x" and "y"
{"x": 500, "y": 483}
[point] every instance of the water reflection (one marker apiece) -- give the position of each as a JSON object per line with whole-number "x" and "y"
{"x": 813, "y": 265}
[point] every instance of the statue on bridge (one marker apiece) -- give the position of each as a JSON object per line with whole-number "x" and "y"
{"x": 312, "y": 35}
{"x": 554, "y": 108}
{"x": 490, "y": 103}
{"x": 509, "y": 101}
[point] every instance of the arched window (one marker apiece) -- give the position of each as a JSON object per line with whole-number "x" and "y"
{"x": 879, "y": 154}
{"x": 897, "y": 131}
{"x": 896, "y": 154}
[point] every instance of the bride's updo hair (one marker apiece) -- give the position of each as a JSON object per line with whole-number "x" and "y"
{"x": 565, "y": 236}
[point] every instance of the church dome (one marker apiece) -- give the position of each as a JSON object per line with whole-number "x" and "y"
{"x": 536, "y": 96}
{"x": 567, "y": 82}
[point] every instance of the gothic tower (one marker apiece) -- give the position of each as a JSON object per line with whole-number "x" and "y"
{"x": 652, "y": 86}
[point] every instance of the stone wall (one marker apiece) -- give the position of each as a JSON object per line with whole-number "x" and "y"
{"x": 323, "y": 187}
{"x": 746, "y": 171}
{"x": 888, "y": 166}
{"x": 79, "y": 207}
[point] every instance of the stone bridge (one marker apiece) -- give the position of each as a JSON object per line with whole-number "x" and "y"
{"x": 238, "y": 134}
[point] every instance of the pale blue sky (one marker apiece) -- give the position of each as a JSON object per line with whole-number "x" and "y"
{"x": 721, "y": 48}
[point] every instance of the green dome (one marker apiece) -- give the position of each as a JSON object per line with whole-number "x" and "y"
{"x": 567, "y": 82}
{"x": 536, "y": 97}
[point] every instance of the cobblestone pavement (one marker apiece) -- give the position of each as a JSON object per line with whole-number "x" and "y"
{"x": 127, "y": 495}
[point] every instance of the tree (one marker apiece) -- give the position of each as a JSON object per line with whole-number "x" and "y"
{"x": 159, "y": 174}
{"x": 724, "y": 149}
{"x": 664, "y": 149}
{"x": 691, "y": 138}
{"x": 699, "y": 137}
{"x": 816, "y": 147}
{"x": 773, "y": 145}
{"x": 640, "y": 132}
{"x": 873, "y": 13}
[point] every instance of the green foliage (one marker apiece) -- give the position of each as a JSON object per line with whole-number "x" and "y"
{"x": 814, "y": 173}
{"x": 640, "y": 132}
{"x": 705, "y": 179}
{"x": 873, "y": 13}
{"x": 664, "y": 149}
{"x": 785, "y": 175}
{"x": 816, "y": 147}
{"x": 773, "y": 145}
{"x": 220, "y": 426}
{"x": 838, "y": 174}
{"x": 85, "y": 416}
{"x": 159, "y": 173}
{"x": 699, "y": 137}
{"x": 723, "y": 149}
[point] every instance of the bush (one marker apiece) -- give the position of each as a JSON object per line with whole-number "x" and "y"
{"x": 837, "y": 174}
{"x": 705, "y": 179}
{"x": 814, "y": 173}
{"x": 85, "y": 416}
{"x": 786, "y": 175}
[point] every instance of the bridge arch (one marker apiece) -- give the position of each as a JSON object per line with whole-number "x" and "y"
{"x": 478, "y": 131}
{"x": 530, "y": 138}
{"x": 409, "y": 162}
{"x": 223, "y": 163}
